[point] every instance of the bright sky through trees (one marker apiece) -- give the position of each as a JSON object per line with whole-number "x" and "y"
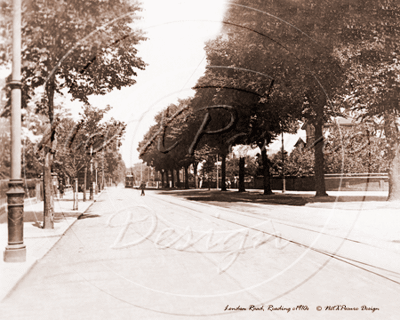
{"x": 176, "y": 31}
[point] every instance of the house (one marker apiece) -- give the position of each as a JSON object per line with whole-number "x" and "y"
{"x": 300, "y": 144}
{"x": 337, "y": 121}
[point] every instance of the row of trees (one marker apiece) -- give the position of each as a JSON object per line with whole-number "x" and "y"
{"x": 74, "y": 48}
{"x": 72, "y": 150}
{"x": 348, "y": 150}
{"x": 91, "y": 144}
{"x": 280, "y": 62}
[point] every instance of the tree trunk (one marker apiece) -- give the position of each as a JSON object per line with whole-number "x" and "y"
{"x": 48, "y": 214}
{"x": 172, "y": 178}
{"x": 319, "y": 173}
{"x": 241, "y": 175}
{"x": 90, "y": 181}
{"x": 48, "y": 208}
{"x": 266, "y": 172}
{"x": 223, "y": 172}
{"x": 75, "y": 194}
{"x": 391, "y": 133}
{"x": 196, "y": 178}
{"x": 166, "y": 178}
{"x": 186, "y": 178}
{"x": 178, "y": 178}
{"x": 394, "y": 174}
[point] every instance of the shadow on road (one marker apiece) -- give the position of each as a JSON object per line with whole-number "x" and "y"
{"x": 86, "y": 216}
{"x": 34, "y": 216}
{"x": 258, "y": 197}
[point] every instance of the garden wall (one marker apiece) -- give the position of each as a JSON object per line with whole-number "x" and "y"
{"x": 33, "y": 190}
{"x": 333, "y": 182}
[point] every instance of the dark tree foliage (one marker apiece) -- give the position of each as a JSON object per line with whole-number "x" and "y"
{"x": 79, "y": 47}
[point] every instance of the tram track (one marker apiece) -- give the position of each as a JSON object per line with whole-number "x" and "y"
{"x": 369, "y": 267}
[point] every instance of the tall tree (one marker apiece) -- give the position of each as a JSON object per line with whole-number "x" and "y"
{"x": 76, "y": 47}
{"x": 290, "y": 42}
{"x": 263, "y": 109}
{"x": 370, "y": 52}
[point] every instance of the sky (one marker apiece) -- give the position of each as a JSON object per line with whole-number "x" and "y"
{"x": 176, "y": 32}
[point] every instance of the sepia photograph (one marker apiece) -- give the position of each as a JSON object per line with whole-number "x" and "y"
{"x": 187, "y": 159}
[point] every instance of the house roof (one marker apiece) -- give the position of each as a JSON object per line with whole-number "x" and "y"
{"x": 290, "y": 141}
{"x": 299, "y": 141}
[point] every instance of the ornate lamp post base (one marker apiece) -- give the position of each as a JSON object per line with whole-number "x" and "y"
{"x": 15, "y": 250}
{"x": 15, "y": 253}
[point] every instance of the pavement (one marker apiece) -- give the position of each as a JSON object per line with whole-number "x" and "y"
{"x": 38, "y": 241}
{"x": 100, "y": 269}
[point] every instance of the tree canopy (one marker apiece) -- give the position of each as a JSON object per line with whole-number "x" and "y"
{"x": 80, "y": 48}
{"x": 84, "y": 47}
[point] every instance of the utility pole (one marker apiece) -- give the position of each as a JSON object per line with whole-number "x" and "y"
{"x": 95, "y": 166}
{"x": 283, "y": 168}
{"x": 15, "y": 251}
{"x": 91, "y": 153}
{"x": 217, "y": 172}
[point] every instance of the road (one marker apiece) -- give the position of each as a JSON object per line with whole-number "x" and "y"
{"x": 162, "y": 257}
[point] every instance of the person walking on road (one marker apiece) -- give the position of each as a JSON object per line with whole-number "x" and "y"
{"x": 142, "y": 187}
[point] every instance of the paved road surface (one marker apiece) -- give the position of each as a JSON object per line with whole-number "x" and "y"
{"x": 159, "y": 257}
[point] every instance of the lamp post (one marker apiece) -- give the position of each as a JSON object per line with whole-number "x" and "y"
{"x": 102, "y": 172}
{"x": 152, "y": 173}
{"x": 15, "y": 251}
{"x": 95, "y": 167}
{"x": 91, "y": 173}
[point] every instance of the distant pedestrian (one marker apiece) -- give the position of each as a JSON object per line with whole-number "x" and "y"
{"x": 142, "y": 187}
{"x": 61, "y": 189}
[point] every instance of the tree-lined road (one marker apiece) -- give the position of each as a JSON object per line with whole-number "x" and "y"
{"x": 161, "y": 257}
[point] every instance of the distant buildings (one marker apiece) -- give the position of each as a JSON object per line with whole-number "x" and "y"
{"x": 300, "y": 144}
